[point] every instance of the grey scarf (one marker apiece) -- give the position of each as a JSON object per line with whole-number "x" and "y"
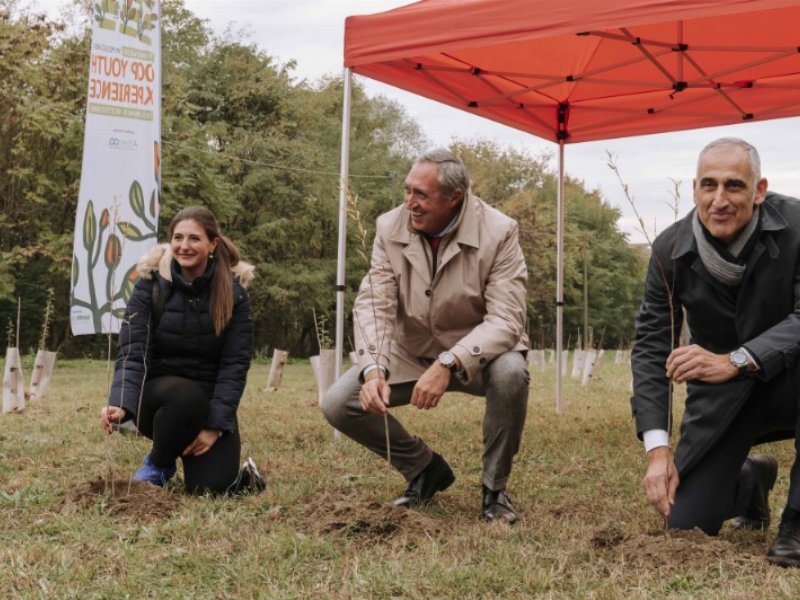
{"x": 720, "y": 269}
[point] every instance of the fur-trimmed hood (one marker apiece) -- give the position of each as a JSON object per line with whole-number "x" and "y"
{"x": 159, "y": 258}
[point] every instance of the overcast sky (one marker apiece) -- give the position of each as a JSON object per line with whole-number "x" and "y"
{"x": 311, "y": 33}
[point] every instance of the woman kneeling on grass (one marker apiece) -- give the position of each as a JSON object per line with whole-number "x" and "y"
{"x": 184, "y": 352}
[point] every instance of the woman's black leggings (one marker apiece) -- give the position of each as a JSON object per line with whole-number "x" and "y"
{"x": 173, "y": 412}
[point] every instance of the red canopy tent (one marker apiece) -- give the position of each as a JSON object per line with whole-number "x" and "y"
{"x": 579, "y": 70}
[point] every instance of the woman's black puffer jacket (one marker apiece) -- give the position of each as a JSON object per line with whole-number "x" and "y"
{"x": 177, "y": 337}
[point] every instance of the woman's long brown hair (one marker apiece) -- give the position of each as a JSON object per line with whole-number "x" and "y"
{"x": 226, "y": 256}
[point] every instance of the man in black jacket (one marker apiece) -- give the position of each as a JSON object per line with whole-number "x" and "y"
{"x": 733, "y": 267}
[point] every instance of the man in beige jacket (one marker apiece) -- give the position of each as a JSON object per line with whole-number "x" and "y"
{"x": 441, "y": 308}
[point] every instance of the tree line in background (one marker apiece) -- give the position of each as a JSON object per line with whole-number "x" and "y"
{"x": 261, "y": 149}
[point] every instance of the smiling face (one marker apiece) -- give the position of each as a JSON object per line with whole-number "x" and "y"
{"x": 726, "y": 191}
{"x": 191, "y": 247}
{"x": 430, "y": 210}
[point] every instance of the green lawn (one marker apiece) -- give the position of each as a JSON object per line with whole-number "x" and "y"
{"x": 326, "y": 528}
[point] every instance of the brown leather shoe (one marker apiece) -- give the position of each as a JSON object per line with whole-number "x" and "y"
{"x": 436, "y": 477}
{"x": 497, "y": 506}
{"x": 765, "y": 472}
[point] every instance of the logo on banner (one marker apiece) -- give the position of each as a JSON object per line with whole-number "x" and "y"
{"x": 116, "y": 143}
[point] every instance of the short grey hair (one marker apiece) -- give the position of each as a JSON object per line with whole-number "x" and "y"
{"x": 752, "y": 153}
{"x": 453, "y": 175}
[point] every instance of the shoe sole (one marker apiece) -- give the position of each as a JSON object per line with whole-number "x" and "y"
{"x": 784, "y": 561}
{"x": 747, "y": 524}
{"x": 497, "y": 519}
{"x": 442, "y": 487}
{"x": 508, "y": 522}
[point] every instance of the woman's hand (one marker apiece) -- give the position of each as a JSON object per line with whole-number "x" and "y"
{"x": 109, "y": 415}
{"x": 203, "y": 442}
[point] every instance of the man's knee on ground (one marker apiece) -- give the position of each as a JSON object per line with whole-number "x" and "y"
{"x": 708, "y": 527}
{"x": 214, "y": 485}
{"x": 705, "y": 515}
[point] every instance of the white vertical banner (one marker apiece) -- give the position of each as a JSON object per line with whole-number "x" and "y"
{"x": 118, "y": 202}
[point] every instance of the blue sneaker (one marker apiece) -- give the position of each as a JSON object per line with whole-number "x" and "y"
{"x": 153, "y": 474}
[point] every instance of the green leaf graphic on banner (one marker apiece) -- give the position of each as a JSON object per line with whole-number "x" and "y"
{"x": 105, "y": 14}
{"x": 75, "y": 270}
{"x": 130, "y": 231}
{"x": 89, "y": 227}
{"x": 153, "y": 204}
{"x": 119, "y": 313}
{"x": 113, "y": 252}
{"x": 110, "y": 285}
{"x": 131, "y": 277}
{"x": 136, "y": 197}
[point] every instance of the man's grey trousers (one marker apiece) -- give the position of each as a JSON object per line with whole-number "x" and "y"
{"x": 504, "y": 384}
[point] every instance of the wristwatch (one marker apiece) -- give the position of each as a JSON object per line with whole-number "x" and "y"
{"x": 448, "y": 359}
{"x": 739, "y": 360}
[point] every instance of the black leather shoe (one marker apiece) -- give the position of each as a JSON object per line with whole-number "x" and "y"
{"x": 497, "y": 506}
{"x": 436, "y": 477}
{"x": 765, "y": 471}
{"x": 785, "y": 550}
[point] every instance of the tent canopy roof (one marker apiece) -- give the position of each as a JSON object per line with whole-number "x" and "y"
{"x": 580, "y": 70}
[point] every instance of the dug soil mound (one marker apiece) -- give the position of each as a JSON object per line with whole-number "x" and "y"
{"x": 124, "y": 497}
{"x": 336, "y": 514}
{"x": 675, "y": 551}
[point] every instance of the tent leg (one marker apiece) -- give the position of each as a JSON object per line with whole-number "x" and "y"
{"x": 559, "y": 275}
{"x": 343, "y": 193}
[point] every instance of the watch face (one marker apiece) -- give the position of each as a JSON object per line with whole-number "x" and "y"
{"x": 448, "y": 359}
{"x": 739, "y": 358}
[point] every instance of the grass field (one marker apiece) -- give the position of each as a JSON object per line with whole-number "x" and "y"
{"x": 326, "y": 528}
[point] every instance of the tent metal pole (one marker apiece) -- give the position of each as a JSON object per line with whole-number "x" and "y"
{"x": 344, "y": 170}
{"x": 559, "y": 275}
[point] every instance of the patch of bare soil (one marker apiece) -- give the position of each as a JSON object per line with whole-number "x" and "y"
{"x": 124, "y": 497}
{"x": 674, "y": 551}
{"x": 345, "y": 516}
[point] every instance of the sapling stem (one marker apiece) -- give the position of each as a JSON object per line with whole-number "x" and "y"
{"x": 669, "y": 286}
